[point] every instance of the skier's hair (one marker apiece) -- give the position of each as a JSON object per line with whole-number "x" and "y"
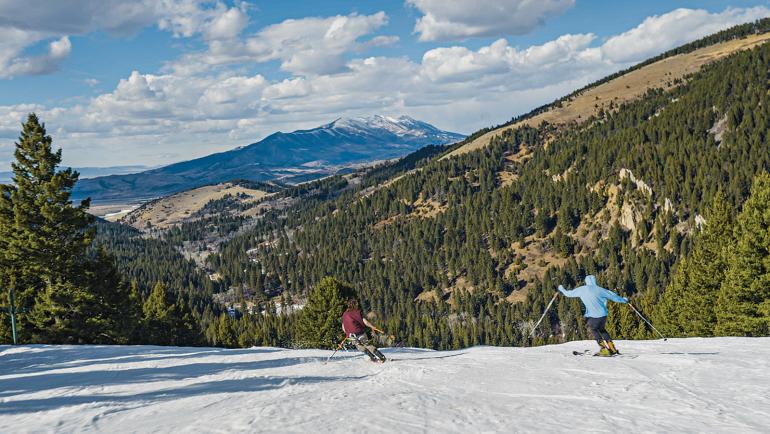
{"x": 352, "y": 304}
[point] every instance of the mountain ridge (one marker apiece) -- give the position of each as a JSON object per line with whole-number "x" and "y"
{"x": 291, "y": 157}
{"x": 691, "y": 57}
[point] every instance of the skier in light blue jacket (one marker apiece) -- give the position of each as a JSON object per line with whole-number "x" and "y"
{"x": 594, "y": 298}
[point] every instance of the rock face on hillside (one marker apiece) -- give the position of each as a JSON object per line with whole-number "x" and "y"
{"x": 291, "y": 157}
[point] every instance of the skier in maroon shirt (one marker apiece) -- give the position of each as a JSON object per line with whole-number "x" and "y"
{"x": 354, "y": 326}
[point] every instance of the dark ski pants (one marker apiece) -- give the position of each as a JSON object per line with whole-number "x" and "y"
{"x": 596, "y": 327}
{"x": 362, "y": 344}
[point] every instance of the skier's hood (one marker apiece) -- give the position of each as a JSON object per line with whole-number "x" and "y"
{"x": 591, "y": 280}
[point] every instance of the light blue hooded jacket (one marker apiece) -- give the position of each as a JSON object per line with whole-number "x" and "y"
{"x": 594, "y": 297}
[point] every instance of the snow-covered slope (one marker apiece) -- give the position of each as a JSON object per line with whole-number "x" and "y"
{"x": 692, "y": 385}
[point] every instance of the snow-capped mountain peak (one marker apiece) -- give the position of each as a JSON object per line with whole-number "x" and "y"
{"x": 340, "y": 143}
{"x": 401, "y": 126}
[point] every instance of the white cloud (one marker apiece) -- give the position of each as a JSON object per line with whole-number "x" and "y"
{"x": 307, "y": 46}
{"x": 228, "y": 24}
{"x": 532, "y": 64}
{"x": 22, "y": 25}
{"x": 661, "y": 32}
{"x": 461, "y": 19}
{"x": 57, "y": 51}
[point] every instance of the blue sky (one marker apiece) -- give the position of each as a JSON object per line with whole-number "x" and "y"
{"x": 122, "y": 82}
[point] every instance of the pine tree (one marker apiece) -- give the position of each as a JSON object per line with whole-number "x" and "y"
{"x": 44, "y": 237}
{"x": 743, "y": 306}
{"x": 319, "y": 323}
{"x": 687, "y": 307}
{"x": 159, "y": 314}
{"x": 226, "y": 334}
{"x": 97, "y": 310}
{"x": 118, "y": 309}
{"x": 62, "y": 315}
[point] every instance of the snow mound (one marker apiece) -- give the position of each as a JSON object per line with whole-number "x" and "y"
{"x": 683, "y": 385}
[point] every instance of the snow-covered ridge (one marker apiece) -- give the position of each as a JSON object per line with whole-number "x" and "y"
{"x": 683, "y": 385}
{"x": 401, "y": 126}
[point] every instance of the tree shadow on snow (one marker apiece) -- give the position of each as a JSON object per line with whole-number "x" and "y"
{"x": 690, "y": 354}
{"x": 48, "y": 381}
{"x": 46, "y": 358}
{"x": 243, "y": 385}
{"x": 444, "y": 356}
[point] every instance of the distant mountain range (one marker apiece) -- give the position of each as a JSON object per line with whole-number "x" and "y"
{"x": 290, "y": 157}
{"x": 90, "y": 172}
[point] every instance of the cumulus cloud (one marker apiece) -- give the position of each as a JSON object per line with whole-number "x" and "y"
{"x": 462, "y": 64}
{"x": 307, "y": 46}
{"x": 22, "y": 26}
{"x": 36, "y": 65}
{"x": 228, "y": 24}
{"x": 461, "y": 19}
{"x": 661, "y": 32}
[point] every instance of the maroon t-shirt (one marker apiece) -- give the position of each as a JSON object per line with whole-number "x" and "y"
{"x": 352, "y": 322}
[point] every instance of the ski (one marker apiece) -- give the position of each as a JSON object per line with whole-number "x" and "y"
{"x": 588, "y": 352}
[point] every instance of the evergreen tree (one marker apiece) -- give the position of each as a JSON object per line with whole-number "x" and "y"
{"x": 226, "y": 333}
{"x": 118, "y": 309}
{"x": 687, "y": 307}
{"x": 44, "y": 237}
{"x": 743, "y": 306}
{"x": 98, "y": 309}
{"x": 319, "y": 323}
{"x": 63, "y": 315}
{"x": 159, "y": 314}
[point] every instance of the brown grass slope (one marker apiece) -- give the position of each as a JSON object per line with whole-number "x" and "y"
{"x": 628, "y": 87}
{"x": 180, "y": 207}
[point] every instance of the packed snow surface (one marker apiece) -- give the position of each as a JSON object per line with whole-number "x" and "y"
{"x": 683, "y": 385}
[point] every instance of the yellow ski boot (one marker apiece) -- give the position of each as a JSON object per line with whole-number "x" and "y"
{"x": 604, "y": 351}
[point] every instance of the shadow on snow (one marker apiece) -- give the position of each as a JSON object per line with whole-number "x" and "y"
{"x": 243, "y": 385}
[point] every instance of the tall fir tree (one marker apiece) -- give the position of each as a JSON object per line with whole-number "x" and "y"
{"x": 44, "y": 237}
{"x": 168, "y": 321}
{"x": 226, "y": 333}
{"x": 63, "y": 314}
{"x": 159, "y": 312}
{"x": 743, "y": 306}
{"x": 98, "y": 309}
{"x": 687, "y": 307}
{"x": 319, "y": 324}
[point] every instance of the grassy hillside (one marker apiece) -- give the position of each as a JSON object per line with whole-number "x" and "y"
{"x": 663, "y": 73}
{"x": 187, "y": 206}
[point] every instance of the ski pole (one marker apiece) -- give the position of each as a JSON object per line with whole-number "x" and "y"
{"x": 648, "y": 322}
{"x": 543, "y": 316}
{"x": 336, "y": 349}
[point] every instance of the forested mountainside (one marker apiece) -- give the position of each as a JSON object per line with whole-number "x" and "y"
{"x": 467, "y": 250}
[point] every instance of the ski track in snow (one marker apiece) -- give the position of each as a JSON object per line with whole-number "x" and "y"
{"x": 697, "y": 385}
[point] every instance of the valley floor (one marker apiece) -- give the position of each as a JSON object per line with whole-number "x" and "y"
{"x": 683, "y": 385}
